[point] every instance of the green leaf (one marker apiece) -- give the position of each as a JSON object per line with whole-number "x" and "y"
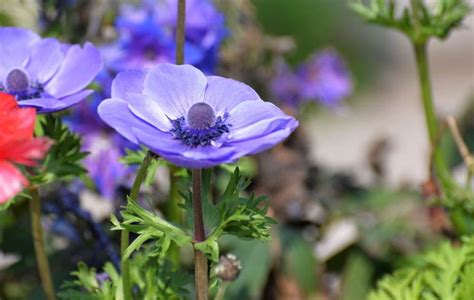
{"x": 63, "y": 160}
{"x": 445, "y": 273}
{"x": 149, "y": 227}
{"x": 233, "y": 214}
{"x": 438, "y": 23}
{"x": 154, "y": 280}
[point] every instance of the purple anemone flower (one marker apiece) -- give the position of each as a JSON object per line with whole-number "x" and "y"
{"x": 286, "y": 86}
{"x": 147, "y": 35}
{"x": 43, "y": 73}
{"x": 325, "y": 78}
{"x": 192, "y": 120}
{"x": 105, "y": 146}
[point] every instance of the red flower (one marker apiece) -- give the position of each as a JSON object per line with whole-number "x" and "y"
{"x": 17, "y": 145}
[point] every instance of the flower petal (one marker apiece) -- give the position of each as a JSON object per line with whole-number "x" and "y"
{"x": 79, "y": 67}
{"x": 26, "y": 151}
{"x": 115, "y": 113}
{"x": 45, "y": 59}
{"x": 46, "y": 105}
{"x": 178, "y": 153}
{"x": 130, "y": 81}
{"x": 14, "y": 48}
{"x": 260, "y": 129}
{"x": 261, "y": 144}
{"x": 225, "y": 93}
{"x": 148, "y": 110}
{"x": 251, "y": 112}
{"x": 12, "y": 181}
{"x": 175, "y": 88}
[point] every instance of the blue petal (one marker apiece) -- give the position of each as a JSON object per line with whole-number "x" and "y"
{"x": 116, "y": 114}
{"x": 224, "y": 94}
{"x": 79, "y": 68}
{"x": 175, "y": 88}
{"x": 14, "y": 50}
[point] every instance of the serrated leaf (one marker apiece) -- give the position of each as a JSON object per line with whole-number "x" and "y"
{"x": 445, "y": 273}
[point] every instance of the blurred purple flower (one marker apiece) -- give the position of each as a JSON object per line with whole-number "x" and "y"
{"x": 286, "y": 86}
{"x": 192, "y": 120}
{"x": 43, "y": 73}
{"x": 147, "y": 35}
{"x": 323, "y": 78}
{"x": 106, "y": 147}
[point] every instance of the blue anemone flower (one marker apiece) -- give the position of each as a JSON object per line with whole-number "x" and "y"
{"x": 323, "y": 78}
{"x": 192, "y": 120}
{"x": 43, "y": 73}
{"x": 147, "y": 35}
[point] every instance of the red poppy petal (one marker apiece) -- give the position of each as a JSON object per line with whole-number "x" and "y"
{"x": 25, "y": 152}
{"x": 7, "y": 101}
{"x": 11, "y": 181}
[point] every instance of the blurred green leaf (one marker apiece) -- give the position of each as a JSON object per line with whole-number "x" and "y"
{"x": 357, "y": 277}
{"x": 445, "y": 273}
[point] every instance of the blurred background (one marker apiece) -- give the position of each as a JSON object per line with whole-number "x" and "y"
{"x": 346, "y": 188}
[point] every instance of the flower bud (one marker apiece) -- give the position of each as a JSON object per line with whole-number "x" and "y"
{"x": 228, "y": 268}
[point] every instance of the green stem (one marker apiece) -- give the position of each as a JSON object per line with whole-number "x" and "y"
{"x": 41, "y": 258}
{"x": 200, "y": 261}
{"x": 441, "y": 170}
{"x": 124, "y": 238}
{"x": 430, "y": 114}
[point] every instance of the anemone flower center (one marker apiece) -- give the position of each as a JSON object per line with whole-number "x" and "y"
{"x": 201, "y": 127}
{"x": 17, "y": 81}
{"x": 18, "y": 84}
{"x": 201, "y": 116}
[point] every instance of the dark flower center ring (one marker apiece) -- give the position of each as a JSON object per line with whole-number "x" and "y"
{"x": 201, "y": 126}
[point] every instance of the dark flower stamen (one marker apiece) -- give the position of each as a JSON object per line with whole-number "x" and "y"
{"x": 201, "y": 127}
{"x": 19, "y": 85}
{"x": 17, "y": 81}
{"x": 201, "y": 116}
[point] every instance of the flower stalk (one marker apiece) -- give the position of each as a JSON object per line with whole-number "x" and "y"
{"x": 200, "y": 261}
{"x": 124, "y": 238}
{"x": 41, "y": 258}
{"x": 420, "y": 46}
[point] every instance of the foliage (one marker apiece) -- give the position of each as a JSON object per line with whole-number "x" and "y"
{"x": 419, "y": 25}
{"x": 153, "y": 279}
{"x": 232, "y": 214}
{"x": 149, "y": 226}
{"x": 63, "y": 161}
{"x": 445, "y": 273}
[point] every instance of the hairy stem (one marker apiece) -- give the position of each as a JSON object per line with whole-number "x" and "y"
{"x": 200, "y": 261}
{"x": 124, "y": 238}
{"x": 41, "y": 258}
{"x": 180, "y": 32}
